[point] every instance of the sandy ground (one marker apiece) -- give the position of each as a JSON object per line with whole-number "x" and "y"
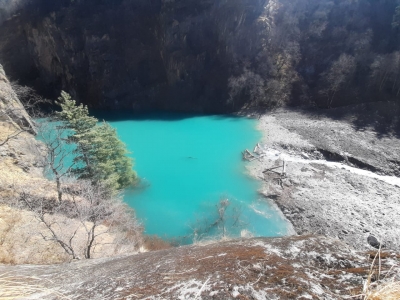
{"x": 340, "y": 180}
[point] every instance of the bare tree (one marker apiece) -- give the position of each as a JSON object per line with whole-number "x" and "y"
{"x": 58, "y": 159}
{"x": 338, "y": 75}
{"x": 14, "y": 112}
{"x": 386, "y": 72}
{"x": 219, "y": 225}
{"x": 29, "y": 99}
{"x": 49, "y": 213}
{"x": 86, "y": 213}
{"x": 249, "y": 85}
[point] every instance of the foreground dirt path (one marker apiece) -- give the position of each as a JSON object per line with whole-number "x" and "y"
{"x": 340, "y": 181}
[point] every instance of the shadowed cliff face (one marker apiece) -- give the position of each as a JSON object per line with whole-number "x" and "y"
{"x": 174, "y": 55}
{"x": 204, "y": 55}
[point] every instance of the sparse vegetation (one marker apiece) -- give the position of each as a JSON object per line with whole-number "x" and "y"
{"x": 70, "y": 218}
{"x": 86, "y": 213}
{"x": 379, "y": 285}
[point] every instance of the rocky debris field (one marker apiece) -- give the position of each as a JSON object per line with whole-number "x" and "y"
{"x": 341, "y": 181}
{"x": 305, "y": 267}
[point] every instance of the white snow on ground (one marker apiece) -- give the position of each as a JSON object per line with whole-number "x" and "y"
{"x": 273, "y": 154}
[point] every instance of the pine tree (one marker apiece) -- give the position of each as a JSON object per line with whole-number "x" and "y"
{"x": 112, "y": 165}
{"x": 100, "y": 155}
{"x": 76, "y": 118}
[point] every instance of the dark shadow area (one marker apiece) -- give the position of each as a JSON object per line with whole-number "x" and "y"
{"x": 115, "y": 116}
{"x": 381, "y": 117}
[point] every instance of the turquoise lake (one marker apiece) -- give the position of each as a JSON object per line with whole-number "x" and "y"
{"x": 187, "y": 164}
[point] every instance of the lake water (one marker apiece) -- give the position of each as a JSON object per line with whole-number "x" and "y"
{"x": 187, "y": 164}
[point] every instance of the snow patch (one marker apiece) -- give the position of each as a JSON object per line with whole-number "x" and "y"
{"x": 275, "y": 154}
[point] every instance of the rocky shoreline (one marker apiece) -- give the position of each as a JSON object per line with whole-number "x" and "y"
{"x": 340, "y": 180}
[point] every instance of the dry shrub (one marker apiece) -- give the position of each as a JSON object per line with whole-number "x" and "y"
{"x": 154, "y": 243}
{"x": 387, "y": 288}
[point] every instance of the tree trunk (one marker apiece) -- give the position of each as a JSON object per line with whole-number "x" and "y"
{"x": 91, "y": 238}
{"x": 59, "y": 191}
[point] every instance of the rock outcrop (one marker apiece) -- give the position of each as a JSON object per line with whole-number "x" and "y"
{"x": 307, "y": 267}
{"x": 16, "y": 130}
{"x": 11, "y": 109}
{"x": 202, "y": 55}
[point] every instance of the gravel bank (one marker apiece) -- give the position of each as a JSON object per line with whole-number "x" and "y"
{"x": 341, "y": 181}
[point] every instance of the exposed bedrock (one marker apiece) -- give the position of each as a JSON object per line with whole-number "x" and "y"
{"x": 311, "y": 267}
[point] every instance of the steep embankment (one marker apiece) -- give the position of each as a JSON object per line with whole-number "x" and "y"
{"x": 21, "y": 170}
{"x": 280, "y": 268}
{"x": 341, "y": 176}
{"x": 23, "y": 237}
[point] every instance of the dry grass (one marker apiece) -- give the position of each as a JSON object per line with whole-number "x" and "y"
{"x": 8, "y": 220}
{"x": 6, "y": 129}
{"x": 20, "y": 240}
{"x": 20, "y": 287}
{"x": 13, "y": 178}
{"x": 386, "y": 291}
{"x": 20, "y": 232}
{"x": 382, "y": 255}
{"x": 154, "y": 243}
{"x": 376, "y": 287}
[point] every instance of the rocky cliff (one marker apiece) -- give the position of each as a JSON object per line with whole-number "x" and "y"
{"x": 172, "y": 55}
{"x": 11, "y": 109}
{"x": 204, "y": 56}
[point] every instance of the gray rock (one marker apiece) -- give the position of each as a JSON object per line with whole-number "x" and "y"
{"x": 373, "y": 241}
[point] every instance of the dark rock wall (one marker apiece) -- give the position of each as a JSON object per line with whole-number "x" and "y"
{"x": 204, "y": 55}
{"x": 174, "y": 55}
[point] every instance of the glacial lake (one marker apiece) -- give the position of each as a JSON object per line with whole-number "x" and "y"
{"x": 187, "y": 164}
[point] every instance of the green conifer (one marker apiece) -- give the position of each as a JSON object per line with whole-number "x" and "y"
{"x": 100, "y": 155}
